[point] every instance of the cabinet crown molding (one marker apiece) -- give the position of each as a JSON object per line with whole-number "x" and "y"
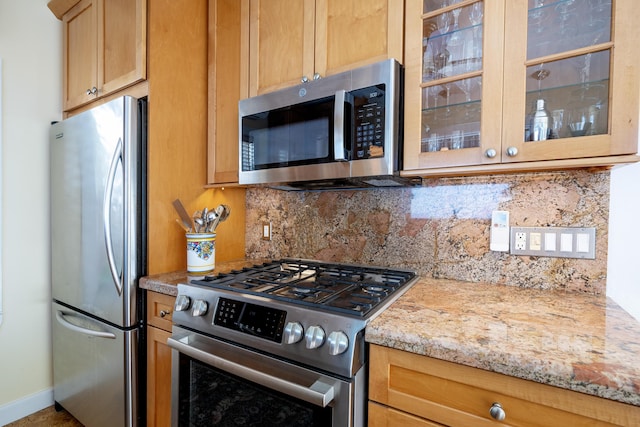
{"x": 60, "y": 7}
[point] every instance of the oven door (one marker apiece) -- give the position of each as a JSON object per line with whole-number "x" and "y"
{"x": 215, "y": 383}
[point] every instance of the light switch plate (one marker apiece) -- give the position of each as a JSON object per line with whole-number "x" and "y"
{"x": 558, "y": 242}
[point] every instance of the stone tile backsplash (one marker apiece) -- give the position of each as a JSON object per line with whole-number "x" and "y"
{"x": 440, "y": 229}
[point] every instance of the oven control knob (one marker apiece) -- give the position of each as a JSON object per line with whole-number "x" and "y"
{"x": 200, "y": 308}
{"x": 293, "y": 333}
{"x": 314, "y": 337}
{"x": 183, "y": 303}
{"x": 338, "y": 343}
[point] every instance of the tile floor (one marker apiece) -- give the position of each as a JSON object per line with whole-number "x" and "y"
{"x": 47, "y": 417}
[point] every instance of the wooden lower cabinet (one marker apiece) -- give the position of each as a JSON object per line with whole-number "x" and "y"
{"x": 383, "y": 416}
{"x": 412, "y": 390}
{"x": 159, "y": 309}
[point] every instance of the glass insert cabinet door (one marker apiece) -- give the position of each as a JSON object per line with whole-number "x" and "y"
{"x": 508, "y": 81}
{"x": 451, "y": 73}
{"x": 571, "y": 73}
{"x": 453, "y": 86}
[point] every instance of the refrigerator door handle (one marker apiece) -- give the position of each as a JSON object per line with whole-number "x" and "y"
{"x": 106, "y": 212}
{"x": 60, "y": 317}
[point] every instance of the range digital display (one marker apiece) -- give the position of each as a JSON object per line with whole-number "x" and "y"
{"x": 252, "y": 319}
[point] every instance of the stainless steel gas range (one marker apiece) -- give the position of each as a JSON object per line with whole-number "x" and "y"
{"x": 278, "y": 344}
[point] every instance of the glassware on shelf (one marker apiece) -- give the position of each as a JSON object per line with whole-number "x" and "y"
{"x": 457, "y": 140}
{"x": 557, "y": 130}
{"x": 567, "y": 18}
{"x": 541, "y": 122}
{"x": 556, "y": 26}
{"x": 475, "y": 18}
{"x": 584, "y": 117}
{"x": 538, "y": 15}
{"x": 433, "y": 143}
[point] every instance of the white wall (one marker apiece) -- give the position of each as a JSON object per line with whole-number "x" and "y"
{"x": 623, "y": 270}
{"x": 30, "y": 48}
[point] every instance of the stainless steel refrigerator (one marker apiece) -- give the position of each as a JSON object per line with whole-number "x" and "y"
{"x": 98, "y": 253}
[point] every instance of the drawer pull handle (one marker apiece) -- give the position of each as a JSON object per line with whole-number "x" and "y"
{"x": 164, "y": 313}
{"x": 496, "y": 412}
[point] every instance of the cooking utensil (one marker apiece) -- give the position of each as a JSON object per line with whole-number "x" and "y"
{"x": 196, "y": 216}
{"x": 184, "y": 216}
{"x": 222, "y": 212}
{"x": 199, "y": 225}
{"x": 184, "y": 227}
{"x": 205, "y": 211}
{"x": 211, "y": 217}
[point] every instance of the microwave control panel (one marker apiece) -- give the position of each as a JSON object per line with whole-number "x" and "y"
{"x": 368, "y": 114}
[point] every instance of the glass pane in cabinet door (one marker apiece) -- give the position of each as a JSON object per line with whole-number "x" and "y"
{"x": 452, "y": 82}
{"x": 452, "y": 40}
{"x": 451, "y": 115}
{"x": 556, "y": 26}
{"x": 568, "y": 97}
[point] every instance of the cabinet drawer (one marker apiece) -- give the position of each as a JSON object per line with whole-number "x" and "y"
{"x": 457, "y": 395}
{"x": 383, "y": 416}
{"x": 160, "y": 310}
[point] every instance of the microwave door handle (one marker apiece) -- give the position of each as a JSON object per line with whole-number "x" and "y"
{"x": 338, "y": 127}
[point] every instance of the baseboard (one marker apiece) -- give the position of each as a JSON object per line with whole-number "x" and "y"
{"x": 26, "y": 406}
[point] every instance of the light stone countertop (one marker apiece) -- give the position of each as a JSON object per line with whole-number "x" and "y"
{"x": 571, "y": 340}
{"x": 580, "y": 342}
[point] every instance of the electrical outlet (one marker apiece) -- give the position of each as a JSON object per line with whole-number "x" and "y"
{"x": 266, "y": 230}
{"x": 520, "y": 242}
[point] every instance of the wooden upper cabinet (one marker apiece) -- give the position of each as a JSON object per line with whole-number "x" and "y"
{"x": 477, "y": 69}
{"x": 104, "y": 48}
{"x": 224, "y": 91}
{"x": 80, "y": 57}
{"x": 309, "y": 39}
{"x": 122, "y": 43}
{"x": 350, "y": 34}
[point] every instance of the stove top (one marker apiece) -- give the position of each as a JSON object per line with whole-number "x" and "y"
{"x": 309, "y": 312}
{"x": 341, "y": 288}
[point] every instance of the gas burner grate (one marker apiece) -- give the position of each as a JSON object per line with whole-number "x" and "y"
{"x": 345, "y": 288}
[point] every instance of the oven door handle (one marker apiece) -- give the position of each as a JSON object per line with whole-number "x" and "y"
{"x": 318, "y": 394}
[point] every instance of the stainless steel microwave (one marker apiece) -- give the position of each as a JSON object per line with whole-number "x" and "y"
{"x": 336, "y": 132}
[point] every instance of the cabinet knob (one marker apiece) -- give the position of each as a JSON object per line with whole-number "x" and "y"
{"x": 304, "y": 79}
{"x": 317, "y": 76}
{"x": 496, "y": 412}
{"x": 164, "y": 313}
{"x": 92, "y": 91}
{"x": 491, "y": 153}
{"x": 512, "y": 151}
